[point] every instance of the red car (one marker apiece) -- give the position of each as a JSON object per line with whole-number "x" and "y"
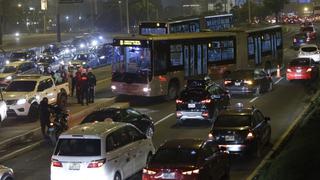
{"x": 302, "y": 69}
{"x": 188, "y": 159}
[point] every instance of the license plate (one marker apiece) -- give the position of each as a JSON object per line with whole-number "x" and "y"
{"x": 191, "y": 105}
{"x": 74, "y": 166}
{"x": 229, "y": 138}
{"x": 237, "y": 83}
{"x": 169, "y": 175}
{"x": 298, "y": 70}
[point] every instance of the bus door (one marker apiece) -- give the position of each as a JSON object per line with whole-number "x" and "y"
{"x": 257, "y": 50}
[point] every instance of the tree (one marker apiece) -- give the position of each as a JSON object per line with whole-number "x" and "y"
{"x": 275, "y": 6}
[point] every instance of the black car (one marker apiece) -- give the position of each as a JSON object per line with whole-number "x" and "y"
{"x": 201, "y": 102}
{"x": 51, "y": 62}
{"x": 248, "y": 81}
{"x": 299, "y": 39}
{"x": 128, "y": 115}
{"x": 22, "y": 56}
{"x": 241, "y": 130}
{"x": 188, "y": 159}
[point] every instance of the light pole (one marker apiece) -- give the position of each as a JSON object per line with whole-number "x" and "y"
{"x": 120, "y": 14}
{"x": 127, "y": 17}
{"x": 249, "y": 11}
{"x": 58, "y": 22}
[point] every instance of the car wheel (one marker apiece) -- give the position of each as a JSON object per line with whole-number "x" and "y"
{"x": 117, "y": 176}
{"x": 270, "y": 86}
{"x": 149, "y": 132}
{"x": 33, "y": 112}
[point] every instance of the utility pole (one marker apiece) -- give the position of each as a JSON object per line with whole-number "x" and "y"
{"x": 1, "y": 21}
{"x": 249, "y": 11}
{"x": 58, "y": 22}
{"x": 148, "y": 15}
{"x": 127, "y": 16}
{"x": 120, "y": 14}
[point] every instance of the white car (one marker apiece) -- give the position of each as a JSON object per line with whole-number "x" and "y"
{"x": 6, "y": 173}
{"x": 24, "y": 93}
{"x": 101, "y": 150}
{"x": 309, "y": 51}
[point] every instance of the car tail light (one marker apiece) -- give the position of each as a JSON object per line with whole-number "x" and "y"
{"x": 206, "y": 101}
{"x": 288, "y": 70}
{"x": 149, "y": 172}
{"x": 195, "y": 171}
{"x": 250, "y": 136}
{"x": 248, "y": 82}
{"x": 211, "y": 136}
{"x": 56, "y": 163}
{"x": 309, "y": 70}
{"x": 178, "y": 101}
{"x": 96, "y": 163}
{"x": 205, "y": 114}
{"x": 178, "y": 114}
{"x": 227, "y": 82}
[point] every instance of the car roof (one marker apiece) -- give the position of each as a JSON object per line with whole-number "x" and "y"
{"x": 308, "y": 45}
{"x": 183, "y": 143}
{"x": 96, "y": 129}
{"x": 236, "y": 111}
{"x": 35, "y": 77}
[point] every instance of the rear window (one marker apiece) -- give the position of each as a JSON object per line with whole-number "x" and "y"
{"x": 300, "y": 62}
{"x": 78, "y": 147}
{"x": 175, "y": 156}
{"x": 194, "y": 94}
{"x": 97, "y": 116}
{"x": 307, "y": 29}
{"x": 301, "y": 36}
{"x": 242, "y": 74}
{"x": 309, "y": 49}
{"x": 232, "y": 121}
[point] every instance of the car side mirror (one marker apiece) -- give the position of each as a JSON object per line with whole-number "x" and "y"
{"x": 267, "y": 118}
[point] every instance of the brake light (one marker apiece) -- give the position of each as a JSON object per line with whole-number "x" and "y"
{"x": 227, "y": 82}
{"x": 56, "y": 163}
{"x": 248, "y": 82}
{"x": 206, "y": 101}
{"x": 178, "y": 114}
{"x": 309, "y": 70}
{"x": 210, "y": 136}
{"x": 250, "y": 136}
{"x": 96, "y": 163}
{"x": 288, "y": 70}
{"x": 178, "y": 101}
{"x": 149, "y": 172}
{"x": 196, "y": 171}
{"x": 205, "y": 114}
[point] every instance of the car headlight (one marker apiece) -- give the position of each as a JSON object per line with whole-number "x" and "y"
{"x": 9, "y": 78}
{"x": 102, "y": 57}
{"x": 82, "y": 45}
{"x": 62, "y": 62}
{"x": 21, "y": 101}
{"x": 94, "y": 43}
{"x": 7, "y": 61}
{"x": 83, "y": 62}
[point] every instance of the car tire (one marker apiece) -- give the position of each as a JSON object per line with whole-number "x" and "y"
{"x": 33, "y": 114}
{"x": 149, "y": 132}
{"x": 117, "y": 176}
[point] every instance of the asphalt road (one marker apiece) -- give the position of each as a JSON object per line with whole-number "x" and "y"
{"x": 283, "y": 105}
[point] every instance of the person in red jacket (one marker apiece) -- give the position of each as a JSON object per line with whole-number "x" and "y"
{"x": 84, "y": 88}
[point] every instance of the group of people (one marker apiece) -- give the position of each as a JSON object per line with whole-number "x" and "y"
{"x": 83, "y": 83}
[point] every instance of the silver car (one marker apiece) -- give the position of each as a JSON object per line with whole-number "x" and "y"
{"x": 6, "y": 173}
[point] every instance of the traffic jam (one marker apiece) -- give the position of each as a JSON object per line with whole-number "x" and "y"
{"x": 118, "y": 142}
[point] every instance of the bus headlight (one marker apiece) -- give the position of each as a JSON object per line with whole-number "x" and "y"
{"x": 9, "y": 78}
{"x": 21, "y": 101}
{"x": 7, "y": 61}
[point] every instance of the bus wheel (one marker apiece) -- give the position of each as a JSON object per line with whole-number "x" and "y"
{"x": 172, "y": 92}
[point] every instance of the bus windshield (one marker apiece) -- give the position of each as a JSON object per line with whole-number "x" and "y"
{"x": 133, "y": 60}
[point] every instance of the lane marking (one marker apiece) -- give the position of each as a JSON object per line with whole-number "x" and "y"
{"x": 169, "y": 115}
{"x": 278, "y": 80}
{"x": 253, "y": 99}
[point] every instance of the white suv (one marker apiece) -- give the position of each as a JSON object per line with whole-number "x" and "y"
{"x": 101, "y": 150}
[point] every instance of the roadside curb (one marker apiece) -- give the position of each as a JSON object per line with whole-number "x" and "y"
{"x": 284, "y": 138}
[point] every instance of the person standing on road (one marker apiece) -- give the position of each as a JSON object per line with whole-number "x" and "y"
{"x": 78, "y": 86}
{"x": 92, "y": 84}
{"x": 44, "y": 114}
{"x": 84, "y": 88}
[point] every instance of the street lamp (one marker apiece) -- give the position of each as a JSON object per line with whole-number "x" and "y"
{"x": 31, "y": 8}
{"x": 67, "y": 18}
{"x": 19, "y": 5}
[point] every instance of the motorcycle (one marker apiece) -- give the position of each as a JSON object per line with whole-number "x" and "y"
{"x": 59, "y": 125}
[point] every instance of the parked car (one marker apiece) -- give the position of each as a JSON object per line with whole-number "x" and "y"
{"x": 201, "y": 102}
{"x": 309, "y": 51}
{"x": 85, "y": 60}
{"x": 22, "y": 55}
{"x": 300, "y": 39}
{"x": 6, "y": 173}
{"x": 248, "y": 81}
{"x": 128, "y": 115}
{"x": 186, "y": 159}
{"x": 311, "y": 32}
{"x": 101, "y": 150}
{"x": 24, "y": 93}
{"x": 241, "y": 130}
{"x": 10, "y": 71}
{"x": 302, "y": 69}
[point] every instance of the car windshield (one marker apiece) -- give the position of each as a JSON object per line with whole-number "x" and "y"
{"x": 17, "y": 55}
{"x": 175, "y": 156}
{"x": 97, "y": 116}
{"x": 307, "y": 29}
{"x": 309, "y": 49}
{"x": 241, "y": 74}
{"x": 21, "y": 86}
{"x": 8, "y": 69}
{"x": 232, "y": 121}
{"x": 78, "y": 147}
{"x": 300, "y": 62}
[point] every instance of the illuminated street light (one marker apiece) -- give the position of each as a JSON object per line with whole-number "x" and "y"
{"x": 67, "y": 18}
{"x": 306, "y": 9}
{"x": 80, "y": 17}
{"x": 31, "y": 8}
{"x": 19, "y": 5}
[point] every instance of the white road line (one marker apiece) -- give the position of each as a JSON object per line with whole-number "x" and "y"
{"x": 169, "y": 115}
{"x": 253, "y": 99}
{"x": 278, "y": 80}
